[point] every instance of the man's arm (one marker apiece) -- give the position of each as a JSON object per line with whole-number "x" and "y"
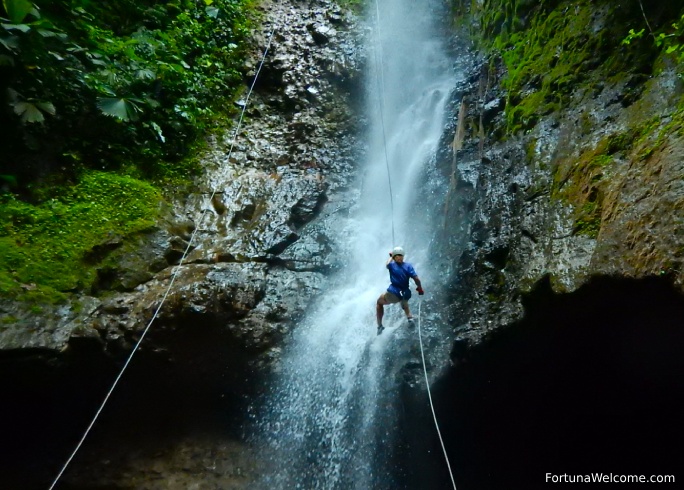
{"x": 419, "y": 286}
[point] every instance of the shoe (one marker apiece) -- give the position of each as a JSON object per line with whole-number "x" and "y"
{"x": 380, "y": 329}
{"x": 411, "y": 322}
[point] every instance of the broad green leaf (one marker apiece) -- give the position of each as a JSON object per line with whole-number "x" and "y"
{"x": 108, "y": 90}
{"x": 208, "y": 2}
{"x": 145, "y": 74}
{"x": 120, "y": 108}
{"x": 212, "y": 12}
{"x": 46, "y": 107}
{"x": 17, "y": 10}
{"x": 29, "y": 112}
{"x": 17, "y": 27}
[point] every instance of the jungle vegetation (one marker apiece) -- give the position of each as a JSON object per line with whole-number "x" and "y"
{"x": 101, "y": 105}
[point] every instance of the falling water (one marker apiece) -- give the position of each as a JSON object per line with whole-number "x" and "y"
{"x": 333, "y": 417}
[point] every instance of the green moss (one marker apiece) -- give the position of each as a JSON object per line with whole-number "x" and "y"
{"x": 545, "y": 62}
{"x": 554, "y": 48}
{"x": 588, "y": 220}
{"x": 579, "y": 182}
{"x": 45, "y": 247}
{"x": 653, "y": 134}
{"x": 531, "y": 149}
{"x": 9, "y": 319}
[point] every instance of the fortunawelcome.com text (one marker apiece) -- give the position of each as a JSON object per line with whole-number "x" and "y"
{"x": 608, "y": 478}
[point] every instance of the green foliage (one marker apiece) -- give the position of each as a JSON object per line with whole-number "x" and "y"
{"x": 45, "y": 247}
{"x": 98, "y": 84}
{"x": 632, "y": 36}
{"x": 123, "y": 86}
{"x": 550, "y": 47}
{"x": 121, "y": 108}
{"x": 544, "y": 49}
{"x": 17, "y": 10}
{"x": 654, "y": 133}
{"x": 8, "y": 319}
{"x": 671, "y": 41}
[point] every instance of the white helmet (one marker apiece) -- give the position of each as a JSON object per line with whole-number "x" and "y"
{"x": 397, "y": 251}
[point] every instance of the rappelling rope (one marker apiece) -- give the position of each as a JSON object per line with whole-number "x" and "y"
{"x": 432, "y": 407}
{"x": 381, "y": 86}
{"x": 173, "y": 279}
{"x": 381, "y": 92}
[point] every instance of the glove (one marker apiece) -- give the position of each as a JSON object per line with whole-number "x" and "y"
{"x": 390, "y": 254}
{"x": 420, "y": 291}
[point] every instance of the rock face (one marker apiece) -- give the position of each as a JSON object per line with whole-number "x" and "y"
{"x": 592, "y": 190}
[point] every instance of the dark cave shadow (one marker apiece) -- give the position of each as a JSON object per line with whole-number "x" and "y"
{"x": 587, "y": 382}
{"x": 197, "y": 386}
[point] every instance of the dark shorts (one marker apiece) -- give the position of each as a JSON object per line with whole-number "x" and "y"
{"x": 392, "y": 298}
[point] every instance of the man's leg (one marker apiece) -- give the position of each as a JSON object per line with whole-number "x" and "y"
{"x": 409, "y": 317}
{"x": 405, "y": 307}
{"x": 380, "y": 309}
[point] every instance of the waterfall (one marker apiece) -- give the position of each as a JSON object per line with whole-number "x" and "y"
{"x": 332, "y": 419}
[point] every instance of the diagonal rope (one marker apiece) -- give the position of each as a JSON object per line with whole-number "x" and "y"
{"x": 432, "y": 407}
{"x": 381, "y": 92}
{"x": 168, "y": 289}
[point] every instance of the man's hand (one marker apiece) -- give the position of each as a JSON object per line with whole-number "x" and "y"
{"x": 420, "y": 290}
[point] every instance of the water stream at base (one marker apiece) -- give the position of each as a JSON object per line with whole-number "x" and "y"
{"x": 332, "y": 420}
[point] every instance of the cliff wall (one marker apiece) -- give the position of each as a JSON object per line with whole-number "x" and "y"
{"x": 569, "y": 166}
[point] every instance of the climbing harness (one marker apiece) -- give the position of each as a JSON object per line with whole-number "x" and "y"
{"x": 381, "y": 85}
{"x": 173, "y": 279}
{"x": 432, "y": 407}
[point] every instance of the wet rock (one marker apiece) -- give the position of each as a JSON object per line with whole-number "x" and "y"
{"x": 182, "y": 228}
{"x": 308, "y": 206}
{"x": 530, "y": 210}
{"x": 53, "y": 329}
{"x": 321, "y": 33}
{"x": 492, "y": 108}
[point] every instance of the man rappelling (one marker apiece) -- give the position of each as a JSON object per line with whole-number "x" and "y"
{"x": 399, "y": 291}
